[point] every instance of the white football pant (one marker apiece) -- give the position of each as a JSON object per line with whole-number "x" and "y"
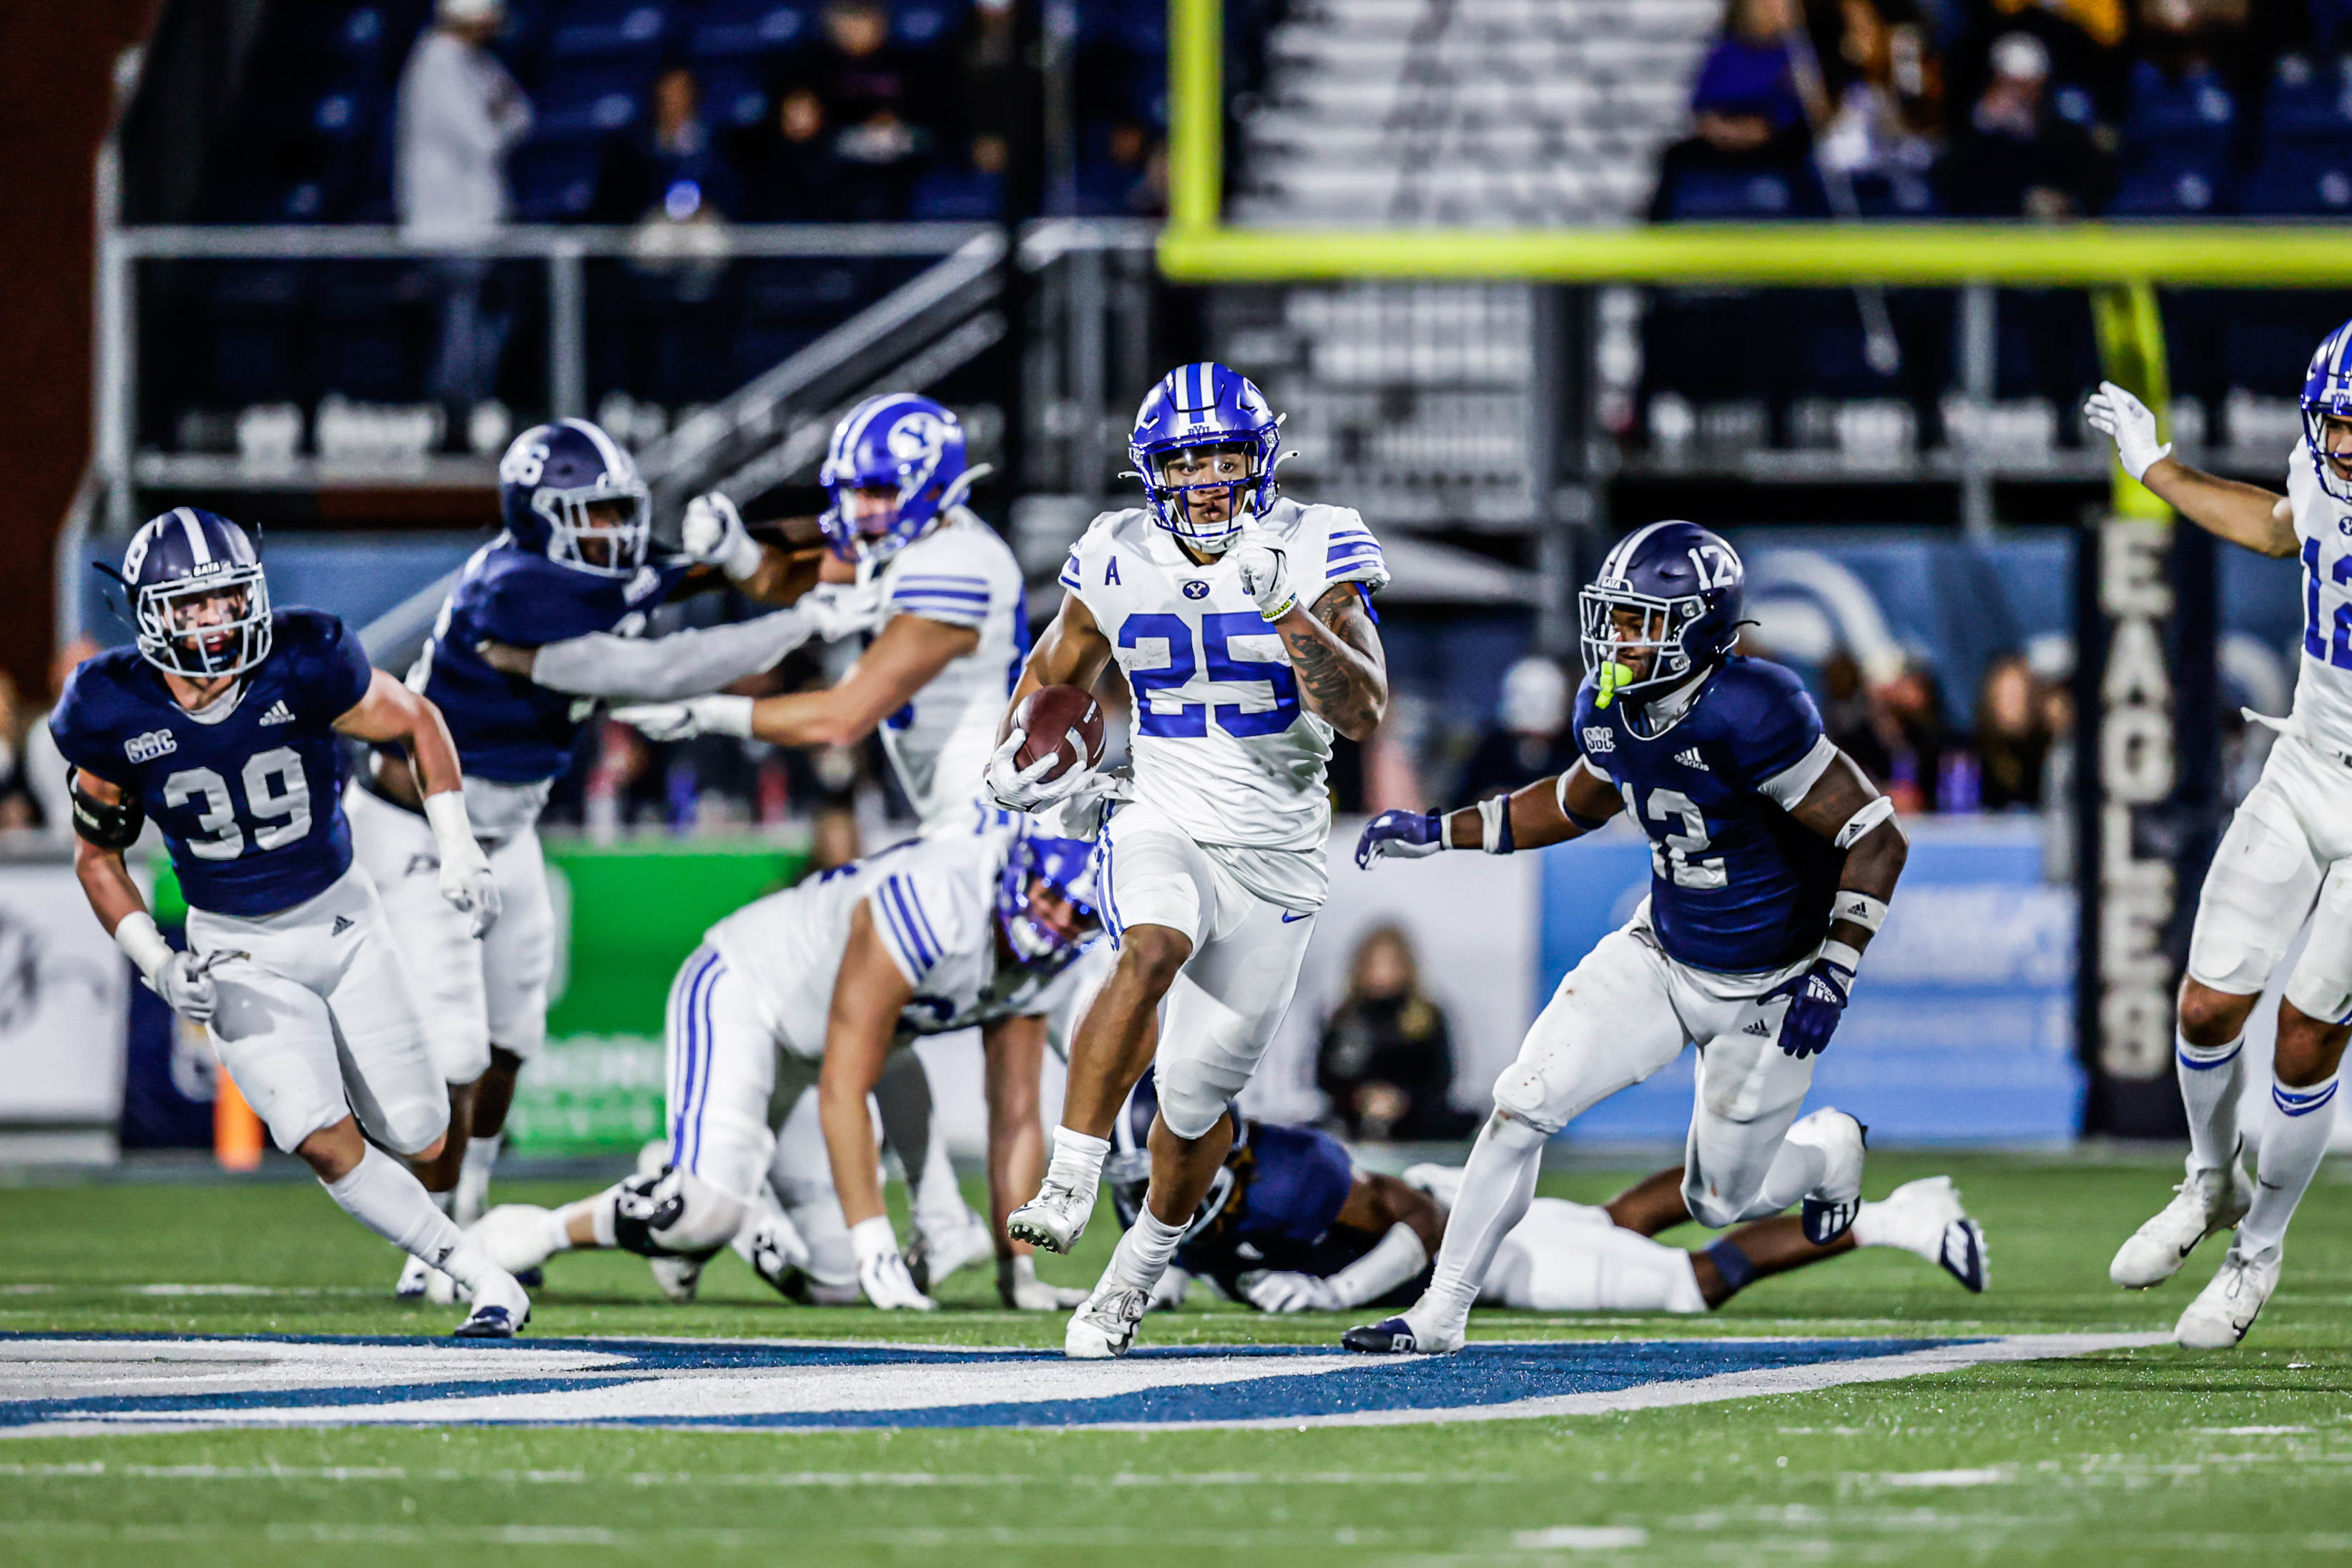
{"x": 2286, "y": 850}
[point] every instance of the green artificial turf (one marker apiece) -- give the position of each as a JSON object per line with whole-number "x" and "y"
{"x": 2149, "y": 1456}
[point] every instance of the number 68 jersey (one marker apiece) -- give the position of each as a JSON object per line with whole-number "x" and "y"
{"x": 248, "y": 792}
{"x": 1221, "y": 741}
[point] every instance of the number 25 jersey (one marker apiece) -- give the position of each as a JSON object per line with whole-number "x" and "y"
{"x": 248, "y": 795}
{"x": 1222, "y": 743}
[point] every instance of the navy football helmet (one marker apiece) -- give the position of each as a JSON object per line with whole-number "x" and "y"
{"x": 198, "y": 596}
{"x": 568, "y": 490}
{"x": 1068, "y": 867}
{"x": 901, "y": 442}
{"x": 2327, "y": 392}
{"x": 1197, "y": 410}
{"x": 1688, "y": 589}
{"x": 1128, "y": 1169}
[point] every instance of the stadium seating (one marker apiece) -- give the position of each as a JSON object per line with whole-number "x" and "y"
{"x": 2178, "y": 139}
{"x": 2303, "y": 161}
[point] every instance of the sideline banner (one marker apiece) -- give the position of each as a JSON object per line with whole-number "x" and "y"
{"x": 64, "y": 1006}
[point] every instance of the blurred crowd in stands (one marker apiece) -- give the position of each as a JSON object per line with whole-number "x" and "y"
{"x": 2042, "y": 109}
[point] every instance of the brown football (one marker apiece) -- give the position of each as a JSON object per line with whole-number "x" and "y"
{"x": 1061, "y": 719}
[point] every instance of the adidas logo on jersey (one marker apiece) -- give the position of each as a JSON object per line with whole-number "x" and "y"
{"x": 278, "y": 712}
{"x": 1760, "y": 1029}
{"x": 1691, "y": 759}
{"x": 343, "y": 923}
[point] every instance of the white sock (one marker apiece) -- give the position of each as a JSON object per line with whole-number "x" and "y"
{"x": 602, "y": 1218}
{"x": 2209, "y": 1090}
{"x": 386, "y": 1196}
{"x": 2296, "y": 1127}
{"x": 1498, "y": 1185}
{"x": 1795, "y": 1170}
{"x": 1398, "y": 1257}
{"x": 1143, "y": 1254}
{"x": 474, "y": 1179}
{"x": 1077, "y": 1160}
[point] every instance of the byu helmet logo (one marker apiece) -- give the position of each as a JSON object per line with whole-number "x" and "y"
{"x": 919, "y": 437}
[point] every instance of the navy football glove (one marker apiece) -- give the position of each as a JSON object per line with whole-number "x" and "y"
{"x": 1817, "y": 999}
{"x": 1411, "y": 834}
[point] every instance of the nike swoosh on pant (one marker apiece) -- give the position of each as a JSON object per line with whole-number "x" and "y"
{"x": 1289, "y": 918}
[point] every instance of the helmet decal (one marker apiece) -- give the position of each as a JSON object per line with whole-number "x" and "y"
{"x": 899, "y": 442}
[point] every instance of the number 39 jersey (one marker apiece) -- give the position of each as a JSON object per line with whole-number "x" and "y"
{"x": 248, "y": 794}
{"x": 1221, "y": 741}
{"x": 1736, "y": 885}
{"x": 2323, "y": 526}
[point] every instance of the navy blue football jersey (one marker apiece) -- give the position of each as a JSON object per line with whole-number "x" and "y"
{"x": 1289, "y": 1184}
{"x": 1735, "y": 883}
{"x": 507, "y": 728}
{"x": 249, "y": 804}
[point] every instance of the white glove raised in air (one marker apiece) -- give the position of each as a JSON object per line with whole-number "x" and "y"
{"x": 1027, "y": 789}
{"x": 882, "y": 1269}
{"x": 665, "y": 721}
{"x": 838, "y": 609}
{"x": 713, "y": 535}
{"x": 1270, "y": 1291}
{"x": 1265, "y": 568}
{"x": 465, "y": 878}
{"x": 2130, "y": 424}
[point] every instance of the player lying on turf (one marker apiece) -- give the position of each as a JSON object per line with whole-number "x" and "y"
{"x": 817, "y": 986}
{"x": 1771, "y": 858}
{"x": 2283, "y": 861}
{"x": 544, "y": 621}
{"x": 949, "y": 620}
{"x": 1291, "y": 1225}
{"x": 224, "y": 723}
{"x": 1244, "y": 624}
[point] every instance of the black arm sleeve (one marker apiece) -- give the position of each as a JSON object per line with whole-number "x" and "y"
{"x": 109, "y": 827}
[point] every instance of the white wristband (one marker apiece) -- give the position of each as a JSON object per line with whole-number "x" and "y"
{"x": 1873, "y": 811}
{"x": 743, "y": 560}
{"x": 727, "y": 715}
{"x": 143, "y": 944}
{"x": 1493, "y": 822}
{"x": 1844, "y": 954}
{"x": 453, "y": 831}
{"x": 873, "y": 1239}
{"x": 1860, "y": 908}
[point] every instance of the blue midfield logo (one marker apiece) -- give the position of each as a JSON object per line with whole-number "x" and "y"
{"x": 279, "y": 1381}
{"x": 1196, "y": 589}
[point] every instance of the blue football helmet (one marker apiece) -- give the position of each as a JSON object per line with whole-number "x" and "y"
{"x": 1197, "y": 410}
{"x": 198, "y": 596}
{"x": 1128, "y": 1169}
{"x": 899, "y": 442}
{"x": 2327, "y": 392}
{"x": 1066, "y": 866}
{"x": 1687, "y": 586}
{"x": 560, "y": 487}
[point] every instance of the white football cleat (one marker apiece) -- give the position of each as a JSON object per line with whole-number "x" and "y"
{"x": 2227, "y": 1307}
{"x": 501, "y": 1308}
{"x": 518, "y": 1236}
{"x": 1829, "y": 1209}
{"x": 932, "y": 1258}
{"x": 1104, "y": 1328}
{"x": 1053, "y": 1219}
{"x": 1925, "y": 1217}
{"x": 1407, "y": 1334}
{"x": 677, "y": 1278}
{"x": 2206, "y": 1203}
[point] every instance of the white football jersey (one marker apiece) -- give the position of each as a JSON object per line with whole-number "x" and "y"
{"x": 932, "y": 901}
{"x": 959, "y": 574}
{"x": 2323, "y": 526}
{"x": 1221, "y": 741}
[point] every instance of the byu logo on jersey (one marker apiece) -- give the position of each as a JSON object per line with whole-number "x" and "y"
{"x": 146, "y": 747}
{"x": 1196, "y": 589}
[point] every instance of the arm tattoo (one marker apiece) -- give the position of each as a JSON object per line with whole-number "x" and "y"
{"x": 1336, "y": 684}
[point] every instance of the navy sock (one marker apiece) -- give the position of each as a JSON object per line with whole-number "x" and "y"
{"x": 1739, "y": 1271}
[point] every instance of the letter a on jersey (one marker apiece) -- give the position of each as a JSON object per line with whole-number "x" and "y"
{"x": 1110, "y": 571}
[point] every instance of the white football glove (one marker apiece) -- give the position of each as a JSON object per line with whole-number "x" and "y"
{"x": 1027, "y": 789}
{"x": 1018, "y": 1287}
{"x": 713, "y": 535}
{"x": 838, "y": 609}
{"x": 665, "y": 721}
{"x": 1265, "y": 573}
{"x": 185, "y": 983}
{"x": 1270, "y": 1291}
{"x": 465, "y": 879}
{"x": 882, "y": 1270}
{"x": 2130, "y": 425}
